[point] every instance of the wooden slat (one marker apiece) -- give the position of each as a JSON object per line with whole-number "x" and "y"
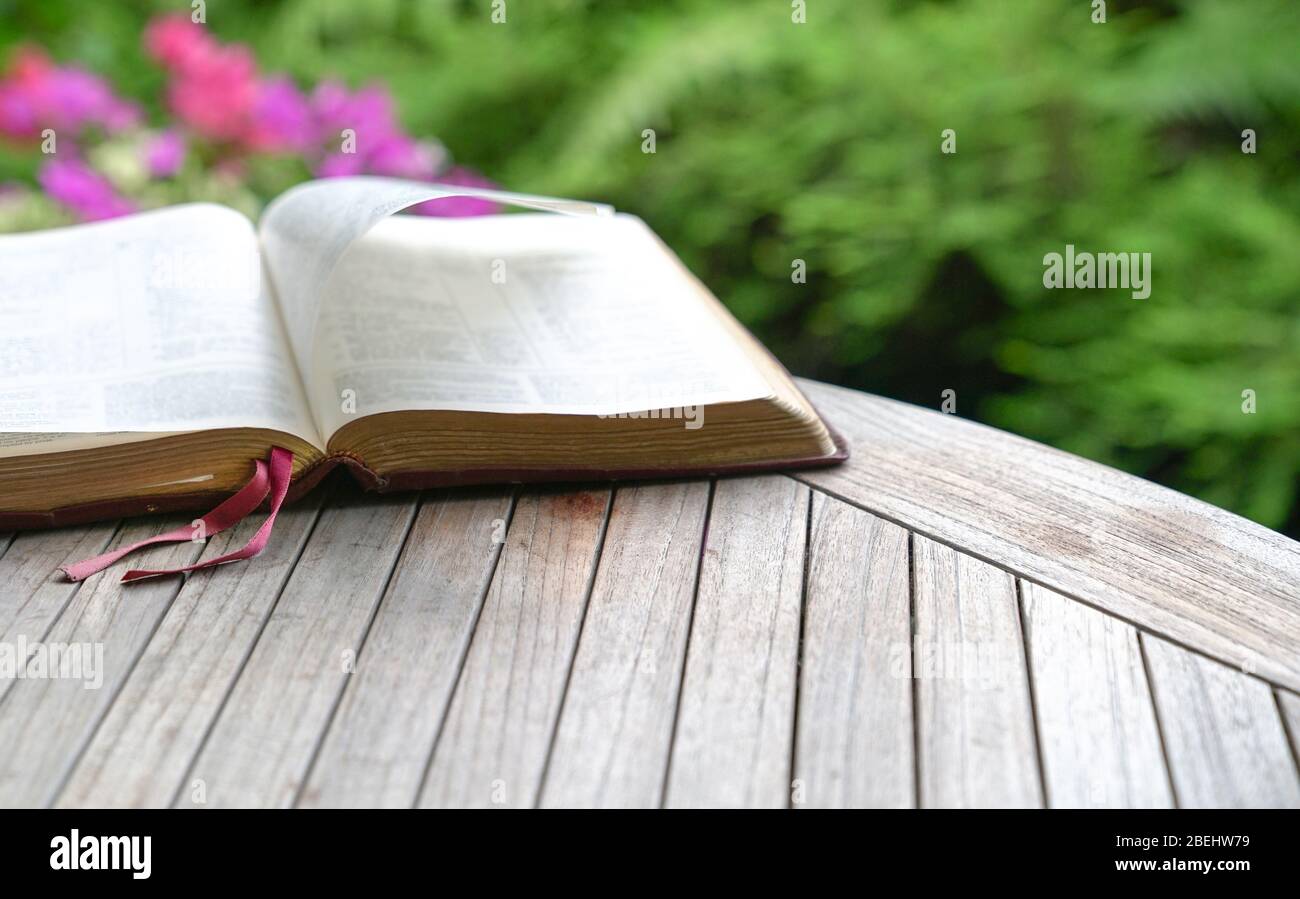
{"x": 45, "y": 724}
{"x": 140, "y": 753}
{"x": 379, "y": 742}
{"x": 1161, "y": 560}
{"x": 1096, "y": 722}
{"x": 263, "y": 741}
{"x": 611, "y": 745}
{"x": 32, "y": 591}
{"x": 493, "y": 747}
{"x": 1222, "y": 732}
{"x": 976, "y": 744}
{"x": 854, "y": 744}
{"x": 736, "y": 719}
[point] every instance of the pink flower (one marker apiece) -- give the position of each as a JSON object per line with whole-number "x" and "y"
{"x": 281, "y": 118}
{"x": 217, "y": 92}
{"x": 165, "y": 154}
{"x": 82, "y": 189}
{"x": 175, "y": 40}
{"x": 212, "y": 87}
{"x": 214, "y": 92}
{"x": 379, "y": 146}
{"x": 367, "y": 110}
{"x": 35, "y": 94}
{"x": 17, "y": 114}
{"x": 340, "y": 165}
{"x": 455, "y": 207}
{"x": 220, "y": 99}
{"x": 401, "y": 157}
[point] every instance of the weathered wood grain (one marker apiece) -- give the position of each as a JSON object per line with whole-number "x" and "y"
{"x": 493, "y": 746}
{"x": 377, "y": 747}
{"x": 1168, "y": 563}
{"x": 976, "y": 744}
{"x": 736, "y": 718}
{"x": 611, "y": 745}
{"x": 1222, "y": 732}
{"x": 148, "y": 739}
{"x": 45, "y": 723}
{"x": 854, "y": 740}
{"x": 1096, "y": 722}
{"x": 263, "y": 741}
{"x": 656, "y": 656}
{"x": 32, "y": 592}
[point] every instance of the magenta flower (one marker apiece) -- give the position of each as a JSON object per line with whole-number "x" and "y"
{"x": 281, "y": 118}
{"x": 165, "y": 154}
{"x": 82, "y": 189}
{"x": 35, "y": 94}
{"x": 456, "y": 207}
{"x": 174, "y": 40}
{"x": 377, "y": 144}
{"x": 213, "y": 92}
{"x": 340, "y": 165}
{"x": 401, "y": 157}
{"x": 216, "y": 90}
{"x": 17, "y": 115}
{"x": 366, "y": 110}
{"x": 226, "y": 112}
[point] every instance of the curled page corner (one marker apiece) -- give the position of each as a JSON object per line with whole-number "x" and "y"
{"x": 306, "y": 230}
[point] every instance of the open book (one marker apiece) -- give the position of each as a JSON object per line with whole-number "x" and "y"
{"x": 146, "y": 360}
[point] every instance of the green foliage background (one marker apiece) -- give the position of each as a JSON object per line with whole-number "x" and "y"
{"x": 820, "y": 141}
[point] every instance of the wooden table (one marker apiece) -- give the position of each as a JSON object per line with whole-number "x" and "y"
{"x": 957, "y": 617}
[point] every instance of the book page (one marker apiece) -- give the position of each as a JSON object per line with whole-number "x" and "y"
{"x": 29, "y": 443}
{"x": 519, "y": 313}
{"x": 161, "y": 322}
{"x": 306, "y": 230}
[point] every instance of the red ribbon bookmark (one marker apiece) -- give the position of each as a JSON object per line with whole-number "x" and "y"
{"x": 274, "y": 481}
